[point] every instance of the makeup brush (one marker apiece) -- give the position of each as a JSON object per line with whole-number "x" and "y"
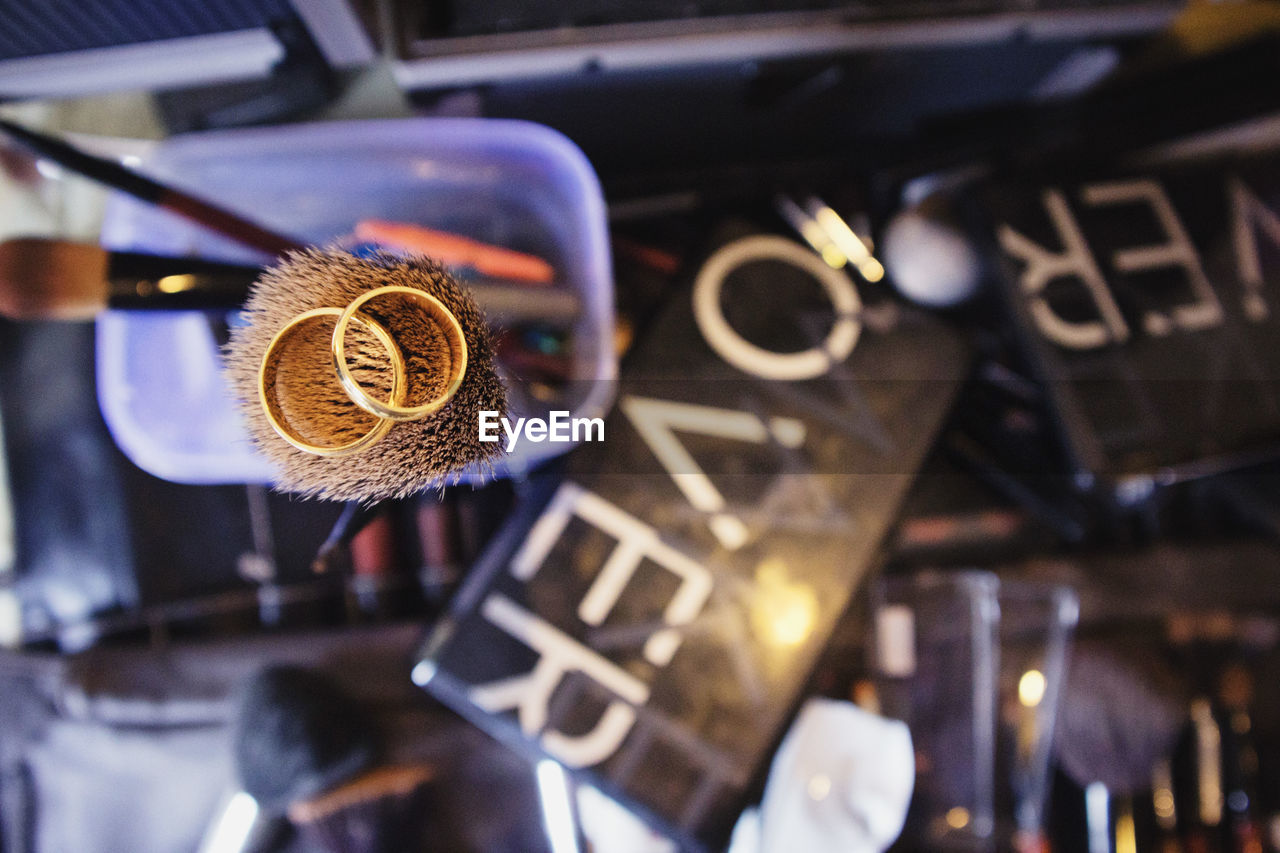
{"x": 295, "y": 735}
{"x": 412, "y": 455}
{"x": 298, "y": 735}
{"x": 307, "y": 751}
{"x": 1099, "y": 738}
{"x": 1122, "y": 713}
{"x": 116, "y": 176}
{"x": 387, "y": 810}
{"x": 43, "y": 279}
{"x": 48, "y": 279}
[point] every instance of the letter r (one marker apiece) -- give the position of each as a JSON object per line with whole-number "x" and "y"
{"x": 636, "y": 542}
{"x": 1074, "y": 261}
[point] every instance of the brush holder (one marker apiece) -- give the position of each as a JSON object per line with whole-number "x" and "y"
{"x": 508, "y": 183}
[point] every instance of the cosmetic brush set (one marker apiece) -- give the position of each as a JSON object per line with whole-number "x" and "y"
{"x": 361, "y": 370}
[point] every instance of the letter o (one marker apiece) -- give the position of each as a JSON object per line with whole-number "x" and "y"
{"x": 758, "y": 361}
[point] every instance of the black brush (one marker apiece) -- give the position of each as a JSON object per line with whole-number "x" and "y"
{"x": 1102, "y": 736}
{"x": 298, "y": 735}
{"x": 387, "y": 810}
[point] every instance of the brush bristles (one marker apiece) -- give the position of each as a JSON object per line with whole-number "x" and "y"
{"x": 413, "y": 456}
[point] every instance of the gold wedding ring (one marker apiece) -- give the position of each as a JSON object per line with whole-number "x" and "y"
{"x": 444, "y": 320}
{"x": 267, "y": 377}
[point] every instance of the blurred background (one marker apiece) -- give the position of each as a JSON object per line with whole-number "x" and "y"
{"x": 961, "y": 533}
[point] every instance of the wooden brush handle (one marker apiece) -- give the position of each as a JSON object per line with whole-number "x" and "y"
{"x": 43, "y": 279}
{"x": 375, "y": 785}
{"x": 225, "y": 222}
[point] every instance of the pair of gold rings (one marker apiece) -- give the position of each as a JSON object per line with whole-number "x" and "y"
{"x": 387, "y": 412}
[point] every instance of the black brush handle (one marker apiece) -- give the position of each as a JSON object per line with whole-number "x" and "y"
{"x": 154, "y": 282}
{"x": 138, "y": 281}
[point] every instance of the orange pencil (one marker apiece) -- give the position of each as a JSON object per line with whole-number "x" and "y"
{"x": 455, "y": 250}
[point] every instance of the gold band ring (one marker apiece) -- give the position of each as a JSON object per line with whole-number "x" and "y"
{"x": 271, "y": 405}
{"x": 445, "y": 321}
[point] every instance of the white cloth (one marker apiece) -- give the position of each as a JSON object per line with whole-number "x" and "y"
{"x": 841, "y": 781}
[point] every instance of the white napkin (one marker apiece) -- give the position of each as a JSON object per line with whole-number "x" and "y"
{"x": 841, "y": 781}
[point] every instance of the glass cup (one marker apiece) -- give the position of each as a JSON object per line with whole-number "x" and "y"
{"x": 974, "y": 666}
